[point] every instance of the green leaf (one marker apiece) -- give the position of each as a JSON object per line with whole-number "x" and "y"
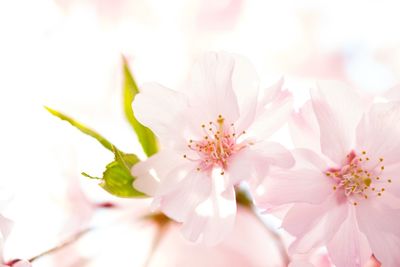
{"x": 145, "y": 136}
{"x": 117, "y": 178}
{"x": 82, "y": 128}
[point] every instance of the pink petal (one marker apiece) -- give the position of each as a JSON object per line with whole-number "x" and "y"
{"x": 380, "y": 225}
{"x": 272, "y": 115}
{"x": 305, "y": 183}
{"x": 304, "y": 128}
{"x": 160, "y": 173}
{"x": 349, "y": 247}
{"x": 245, "y": 83}
{"x": 275, "y": 153}
{"x": 314, "y": 225}
{"x": 308, "y": 159}
{"x": 293, "y": 186}
{"x": 246, "y": 165}
{"x": 331, "y": 103}
{"x": 213, "y": 219}
{"x": 379, "y": 130}
{"x": 160, "y": 109}
{"x": 210, "y": 87}
{"x": 179, "y": 204}
{"x": 253, "y": 163}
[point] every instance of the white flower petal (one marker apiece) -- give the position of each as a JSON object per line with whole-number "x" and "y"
{"x": 162, "y": 110}
{"x": 214, "y": 218}
{"x": 160, "y": 173}
{"x": 210, "y": 87}
{"x": 179, "y": 204}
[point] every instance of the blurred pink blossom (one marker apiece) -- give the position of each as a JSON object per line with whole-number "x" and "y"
{"x": 250, "y": 244}
{"x": 107, "y": 10}
{"x": 218, "y": 15}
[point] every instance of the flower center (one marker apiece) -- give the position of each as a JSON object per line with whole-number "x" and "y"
{"x": 219, "y": 143}
{"x": 360, "y": 176}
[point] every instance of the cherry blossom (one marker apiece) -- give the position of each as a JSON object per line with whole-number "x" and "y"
{"x": 213, "y": 136}
{"x": 343, "y": 192}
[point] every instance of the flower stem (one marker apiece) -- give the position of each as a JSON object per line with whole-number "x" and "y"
{"x": 162, "y": 224}
{"x": 243, "y": 199}
{"x": 276, "y": 238}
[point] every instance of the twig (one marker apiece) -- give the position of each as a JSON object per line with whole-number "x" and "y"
{"x": 162, "y": 222}
{"x": 62, "y": 245}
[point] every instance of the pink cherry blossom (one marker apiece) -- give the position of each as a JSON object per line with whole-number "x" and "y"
{"x": 213, "y": 136}
{"x": 343, "y": 194}
{"x": 249, "y": 245}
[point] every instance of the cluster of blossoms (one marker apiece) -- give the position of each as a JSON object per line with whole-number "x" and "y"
{"x": 338, "y": 188}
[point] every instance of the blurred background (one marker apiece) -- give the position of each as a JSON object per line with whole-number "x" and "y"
{"x": 67, "y": 54}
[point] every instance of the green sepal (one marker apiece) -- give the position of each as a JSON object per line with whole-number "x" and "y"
{"x": 117, "y": 178}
